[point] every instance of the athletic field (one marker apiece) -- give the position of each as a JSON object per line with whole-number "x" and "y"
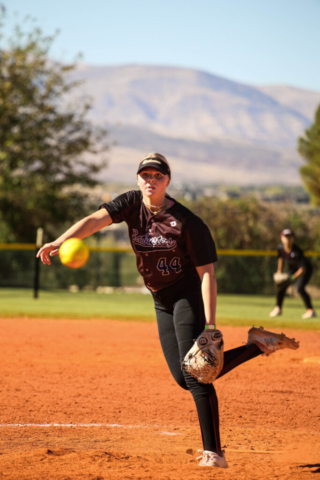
{"x": 242, "y": 310}
{"x": 86, "y": 394}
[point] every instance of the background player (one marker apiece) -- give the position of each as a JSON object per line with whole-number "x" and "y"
{"x": 175, "y": 255}
{"x": 299, "y": 268}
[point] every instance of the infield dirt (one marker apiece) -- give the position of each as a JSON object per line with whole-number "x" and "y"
{"x": 130, "y": 421}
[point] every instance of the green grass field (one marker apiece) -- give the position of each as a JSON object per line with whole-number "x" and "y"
{"x": 244, "y": 310}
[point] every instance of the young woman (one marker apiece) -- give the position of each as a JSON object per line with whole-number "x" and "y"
{"x": 299, "y": 268}
{"x": 175, "y": 255}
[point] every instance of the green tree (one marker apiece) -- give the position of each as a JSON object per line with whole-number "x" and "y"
{"x": 309, "y": 149}
{"x": 50, "y": 154}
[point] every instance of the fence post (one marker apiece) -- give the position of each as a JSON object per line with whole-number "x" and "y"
{"x": 37, "y": 264}
{"x": 116, "y": 263}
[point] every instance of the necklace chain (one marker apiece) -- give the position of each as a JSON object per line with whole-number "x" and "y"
{"x": 155, "y": 206}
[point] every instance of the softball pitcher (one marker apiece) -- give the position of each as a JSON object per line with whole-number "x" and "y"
{"x": 175, "y": 255}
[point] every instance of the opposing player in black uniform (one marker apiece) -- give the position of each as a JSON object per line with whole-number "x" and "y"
{"x": 175, "y": 255}
{"x": 299, "y": 269}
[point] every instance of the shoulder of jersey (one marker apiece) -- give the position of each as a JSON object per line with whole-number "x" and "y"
{"x": 186, "y": 213}
{"x": 133, "y": 196}
{"x": 137, "y": 194}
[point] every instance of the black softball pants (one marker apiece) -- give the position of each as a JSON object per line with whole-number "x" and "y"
{"x": 300, "y": 286}
{"x": 180, "y": 317}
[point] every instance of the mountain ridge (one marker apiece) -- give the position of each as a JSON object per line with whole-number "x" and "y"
{"x": 244, "y": 124}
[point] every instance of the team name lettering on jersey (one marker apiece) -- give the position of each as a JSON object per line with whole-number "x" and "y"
{"x": 157, "y": 243}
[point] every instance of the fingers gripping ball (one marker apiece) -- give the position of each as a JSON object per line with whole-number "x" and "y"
{"x": 74, "y": 253}
{"x": 204, "y": 361}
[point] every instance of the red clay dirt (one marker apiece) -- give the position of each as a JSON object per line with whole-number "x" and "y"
{"x": 119, "y": 414}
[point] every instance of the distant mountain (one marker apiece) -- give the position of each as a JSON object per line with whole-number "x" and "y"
{"x": 232, "y": 132}
{"x": 303, "y": 101}
{"x": 206, "y": 162}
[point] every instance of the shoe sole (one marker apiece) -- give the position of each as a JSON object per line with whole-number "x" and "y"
{"x": 269, "y": 346}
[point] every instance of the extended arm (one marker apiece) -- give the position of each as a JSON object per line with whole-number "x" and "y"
{"x": 209, "y": 291}
{"x": 280, "y": 265}
{"x": 82, "y": 229}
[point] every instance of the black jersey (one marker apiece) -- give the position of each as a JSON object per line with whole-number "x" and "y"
{"x": 294, "y": 259}
{"x": 168, "y": 245}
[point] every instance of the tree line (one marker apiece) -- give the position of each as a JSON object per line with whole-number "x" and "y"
{"x": 247, "y": 223}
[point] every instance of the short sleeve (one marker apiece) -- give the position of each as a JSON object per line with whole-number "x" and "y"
{"x": 279, "y": 249}
{"x": 199, "y": 242}
{"x": 120, "y": 207}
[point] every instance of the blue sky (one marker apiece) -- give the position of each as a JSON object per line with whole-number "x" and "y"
{"x": 251, "y": 41}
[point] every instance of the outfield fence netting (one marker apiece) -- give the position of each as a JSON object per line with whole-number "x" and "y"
{"x": 242, "y": 272}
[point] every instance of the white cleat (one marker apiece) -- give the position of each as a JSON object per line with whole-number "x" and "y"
{"x": 270, "y": 342}
{"x": 309, "y": 314}
{"x": 275, "y": 312}
{"x": 212, "y": 459}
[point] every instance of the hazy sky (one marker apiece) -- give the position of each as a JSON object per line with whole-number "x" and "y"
{"x": 252, "y": 41}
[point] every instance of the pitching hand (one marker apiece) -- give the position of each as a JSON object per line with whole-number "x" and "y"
{"x": 48, "y": 250}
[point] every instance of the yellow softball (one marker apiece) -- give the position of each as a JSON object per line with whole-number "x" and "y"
{"x": 74, "y": 253}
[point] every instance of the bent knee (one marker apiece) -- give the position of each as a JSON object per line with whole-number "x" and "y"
{"x": 180, "y": 380}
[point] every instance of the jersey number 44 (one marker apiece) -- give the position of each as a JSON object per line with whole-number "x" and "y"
{"x": 165, "y": 268}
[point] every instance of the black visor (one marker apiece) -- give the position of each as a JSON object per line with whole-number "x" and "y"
{"x": 156, "y": 163}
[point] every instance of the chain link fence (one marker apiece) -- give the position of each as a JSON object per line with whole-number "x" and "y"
{"x": 237, "y": 271}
